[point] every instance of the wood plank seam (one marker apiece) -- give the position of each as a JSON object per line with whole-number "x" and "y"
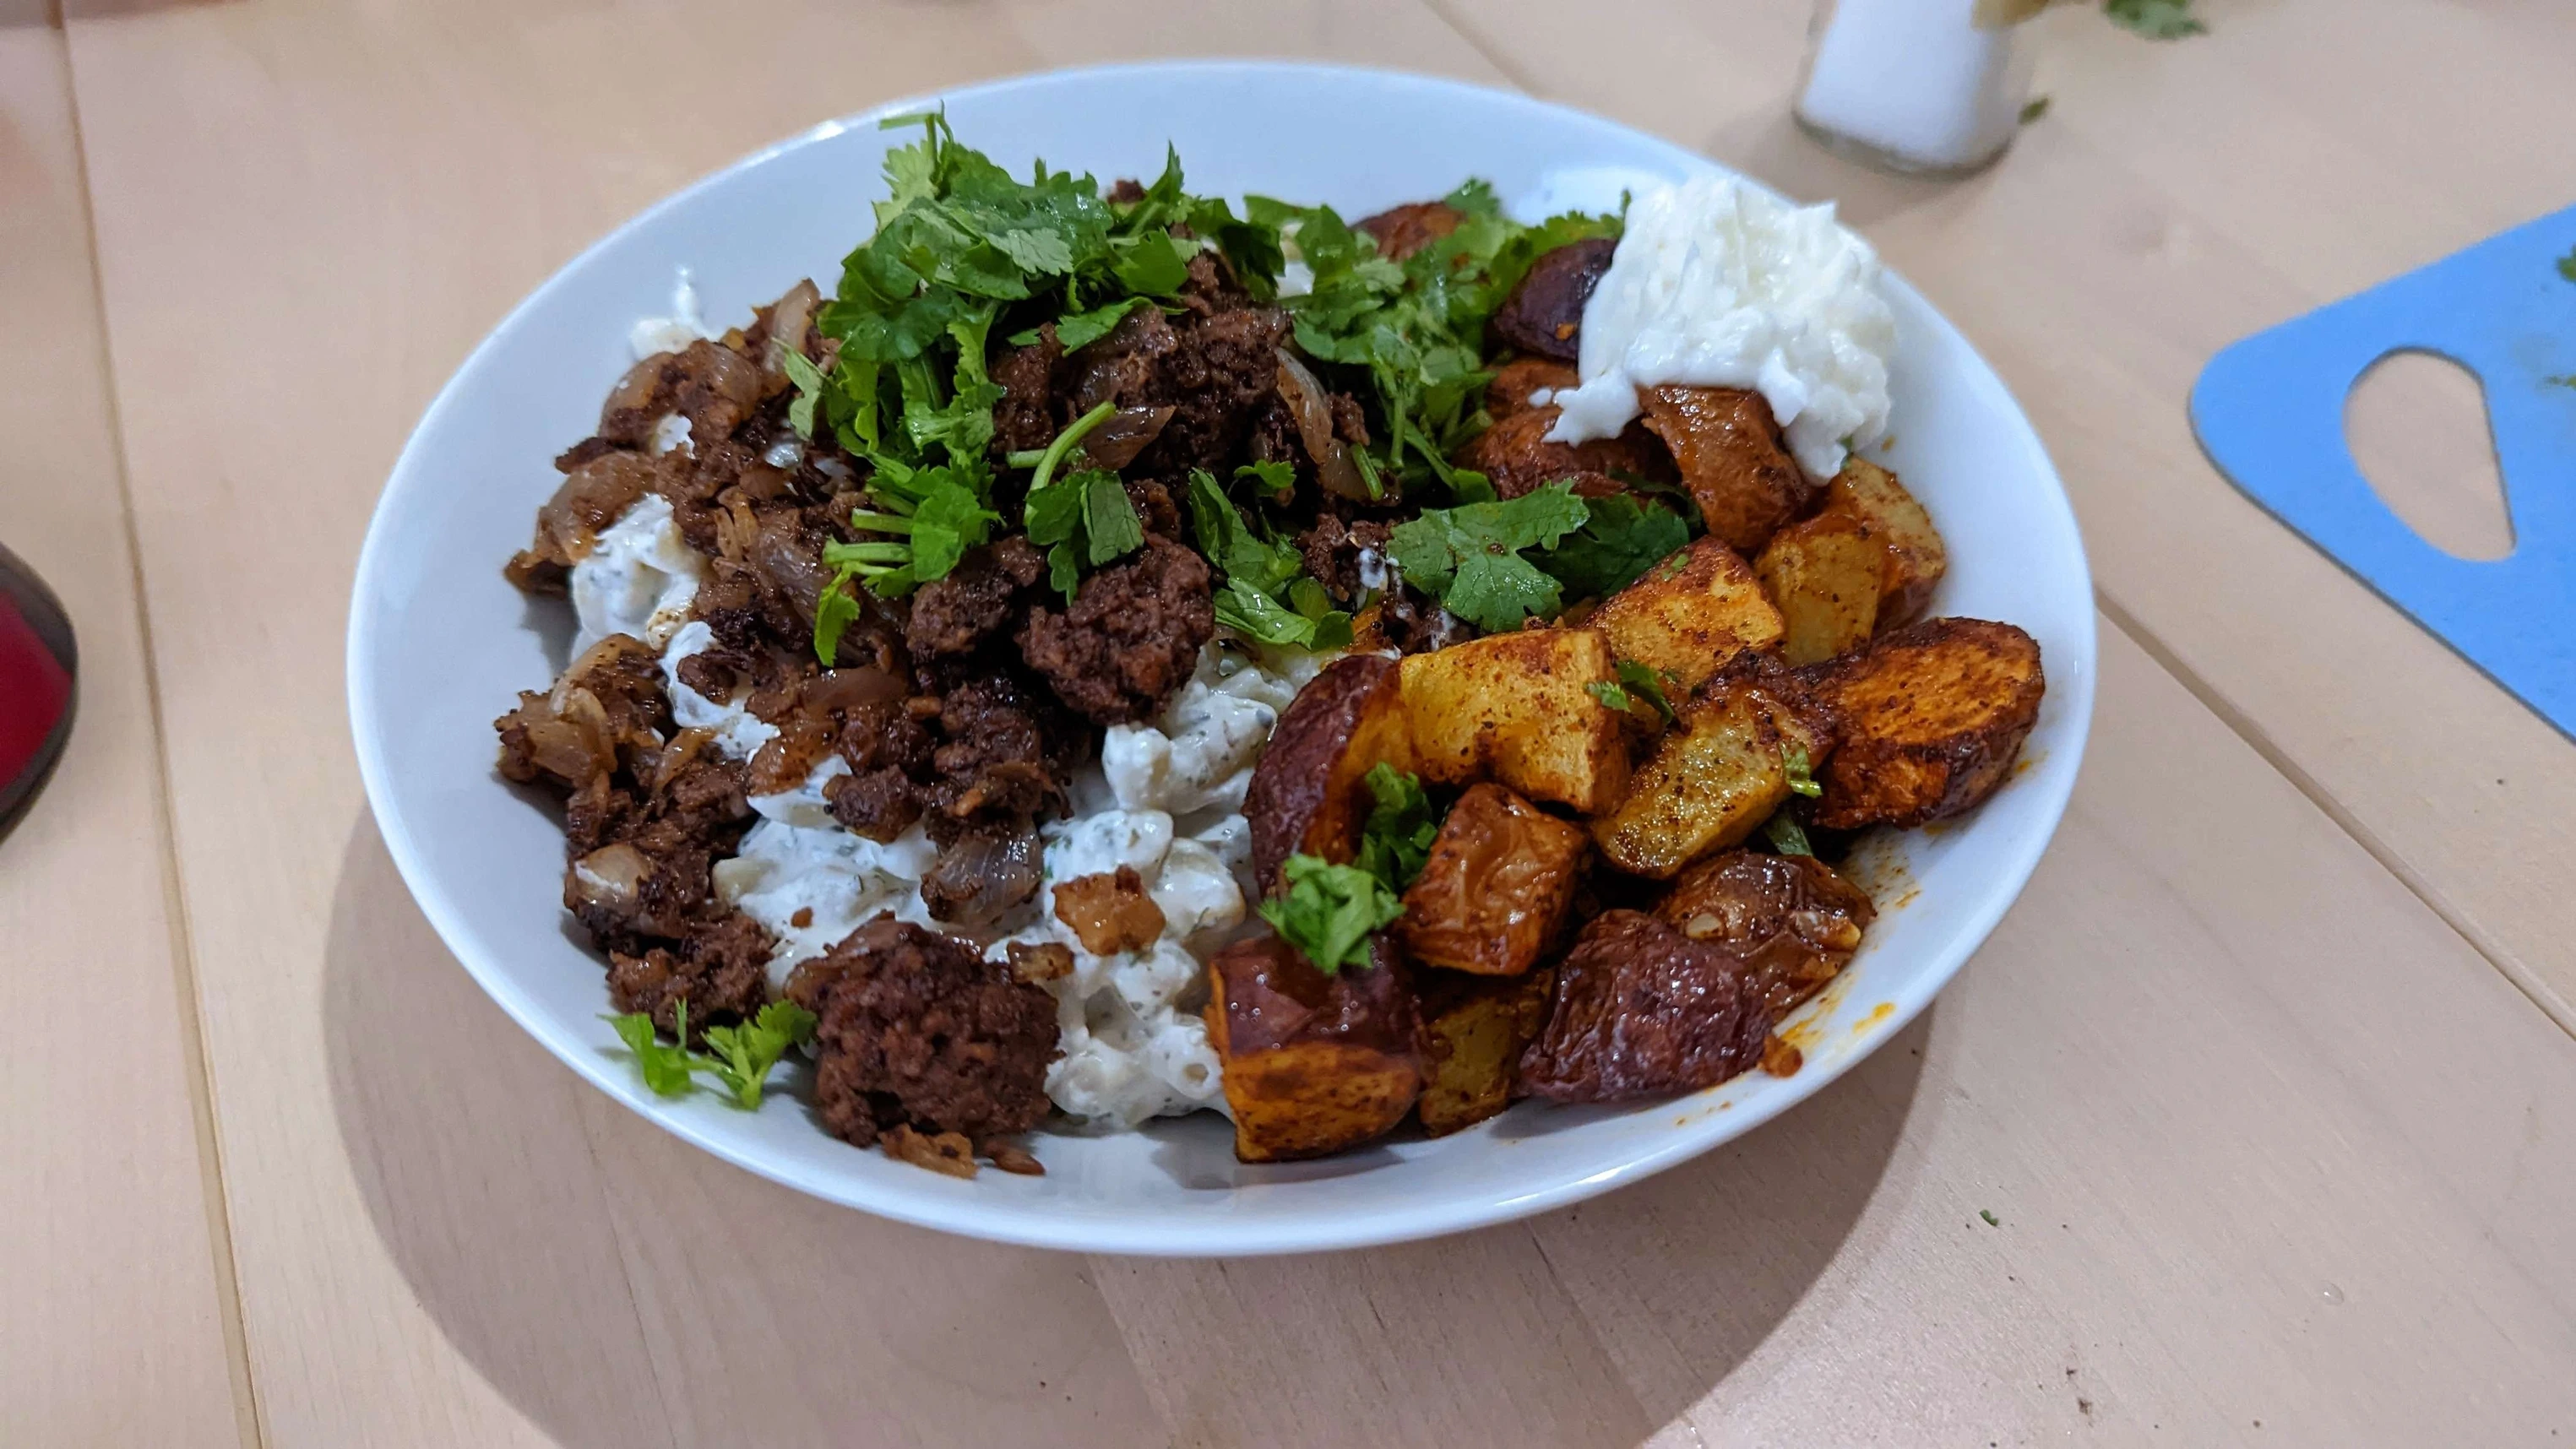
{"x": 2260, "y": 741}
{"x": 200, "y": 1078}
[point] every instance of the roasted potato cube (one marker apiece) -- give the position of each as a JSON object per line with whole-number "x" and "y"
{"x": 1313, "y": 1063}
{"x": 1642, "y": 1010}
{"x": 1400, "y": 231}
{"x": 1519, "y": 708}
{"x": 1309, "y": 794}
{"x": 1927, "y": 719}
{"x": 1516, "y": 455}
{"x": 1513, "y": 384}
{"x": 1493, "y": 895}
{"x": 1729, "y": 452}
{"x": 1544, "y": 314}
{"x": 1474, "y": 1029}
{"x": 1720, "y": 772}
{"x": 1790, "y": 918}
{"x": 1916, "y": 557}
{"x": 1690, "y": 614}
{"x": 1825, "y": 575}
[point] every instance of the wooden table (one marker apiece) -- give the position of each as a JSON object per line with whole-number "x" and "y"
{"x": 2266, "y": 1081}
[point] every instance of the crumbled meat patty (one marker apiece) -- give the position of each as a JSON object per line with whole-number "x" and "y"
{"x": 1025, "y": 417}
{"x": 916, "y": 1030}
{"x": 721, "y": 970}
{"x": 976, "y": 601}
{"x": 1644, "y": 1011}
{"x": 1131, "y": 638}
{"x": 1332, "y": 550}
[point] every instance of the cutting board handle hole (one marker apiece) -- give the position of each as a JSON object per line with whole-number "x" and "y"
{"x": 2417, "y": 426}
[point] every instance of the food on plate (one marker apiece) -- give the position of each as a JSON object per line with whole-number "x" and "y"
{"x": 1310, "y": 791}
{"x": 1740, "y": 746}
{"x": 1522, "y": 708}
{"x": 1473, "y": 1031}
{"x": 1927, "y": 720}
{"x": 1124, "y": 653}
{"x": 1642, "y": 1010}
{"x": 1493, "y": 894}
{"x": 1691, "y": 615}
{"x": 1789, "y": 918}
{"x": 1314, "y": 1063}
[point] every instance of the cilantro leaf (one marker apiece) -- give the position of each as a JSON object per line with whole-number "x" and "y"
{"x": 1647, "y": 683}
{"x": 1793, "y": 760}
{"x": 1109, "y": 522}
{"x": 834, "y": 613}
{"x": 1612, "y": 696}
{"x": 1395, "y": 841}
{"x": 1786, "y": 835}
{"x": 665, "y": 1065}
{"x": 1081, "y": 329}
{"x": 744, "y": 1054}
{"x": 1266, "y": 596}
{"x": 1469, "y": 557}
{"x": 2155, "y": 19}
{"x": 810, "y": 385}
{"x": 1620, "y": 539}
{"x": 1277, "y": 480}
{"x": 1328, "y": 911}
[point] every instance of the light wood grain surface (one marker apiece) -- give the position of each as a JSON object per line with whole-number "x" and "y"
{"x": 2260, "y": 1079}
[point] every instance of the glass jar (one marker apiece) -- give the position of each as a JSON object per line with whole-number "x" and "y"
{"x": 1928, "y": 87}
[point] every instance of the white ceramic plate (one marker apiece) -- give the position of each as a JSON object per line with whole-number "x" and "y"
{"x": 439, "y": 645}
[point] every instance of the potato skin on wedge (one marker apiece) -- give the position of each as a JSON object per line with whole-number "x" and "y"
{"x": 1928, "y": 721}
{"x": 1719, "y": 773}
{"x": 1517, "y": 456}
{"x": 1793, "y": 920}
{"x": 1400, "y": 231}
{"x": 1474, "y": 1029}
{"x": 1519, "y": 709}
{"x": 1642, "y": 1010}
{"x": 1313, "y": 1063}
{"x": 1494, "y": 895}
{"x": 1691, "y": 614}
{"x": 1544, "y": 314}
{"x": 1309, "y": 793}
{"x": 1513, "y": 383}
{"x": 1728, "y": 449}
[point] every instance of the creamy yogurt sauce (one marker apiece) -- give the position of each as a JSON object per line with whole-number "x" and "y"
{"x": 1715, "y": 284}
{"x": 639, "y": 578}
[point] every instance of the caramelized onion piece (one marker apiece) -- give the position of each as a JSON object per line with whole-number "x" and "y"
{"x": 1124, "y": 434}
{"x": 791, "y": 323}
{"x": 842, "y": 690}
{"x": 1312, "y": 407}
{"x": 612, "y": 879}
{"x": 634, "y": 390}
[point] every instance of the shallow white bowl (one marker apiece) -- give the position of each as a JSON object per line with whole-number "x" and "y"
{"x": 438, "y": 645}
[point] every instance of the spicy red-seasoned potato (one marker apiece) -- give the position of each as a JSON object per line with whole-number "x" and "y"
{"x": 1719, "y": 773}
{"x": 1928, "y": 721}
{"x": 1521, "y": 709}
{"x": 1517, "y": 455}
{"x": 1313, "y": 1063}
{"x": 1690, "y": 615}
{"x": 1544, "y": 314}
{"x": 1400, "y": 231}
{"x": 1916, "y": 557}
{"x": 1644, "y": 1011}
{"x": 1474, "y": 1029}
{"x": 1494, "y": 894}
{"x": 1791, "y": 919}
{"x": 1731, "y": 460}
{"x": 1309, "y": 794}
{"x": 1516, "y": 380}
{"x": 1825, "y": 575}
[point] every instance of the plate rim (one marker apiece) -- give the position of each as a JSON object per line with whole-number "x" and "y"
{"x": 1027, "y": 1226}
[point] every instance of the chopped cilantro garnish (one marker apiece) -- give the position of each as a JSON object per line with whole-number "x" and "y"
{"x": 2031, "y": 110}
{"x": 1469, "y": 557}
{"x": 1396, "y": 839}
{"x": 810, "y": 385}
{"x": 1991, "y": 1220}
{"x": 1620, "y": 539}
{"x": 739, "y": 1058}
{"x": 1266, "y": 595}
{"x": 1612, "y": 696}
{"x": 1786, "y": 835}
{"x": 1328, "y": 911}
{"x": 2155, "y": 19}
{"x": 1802, "y": 781}
{"x": 1647, "y": 683}
{"x": 1083, "y": 518}
{"x": 1416, "y": 327}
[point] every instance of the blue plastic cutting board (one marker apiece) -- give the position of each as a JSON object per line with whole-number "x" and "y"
{"x": 2270, "y": 413}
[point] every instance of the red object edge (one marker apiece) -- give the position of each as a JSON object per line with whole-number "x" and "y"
{"x": 35, "y": 689}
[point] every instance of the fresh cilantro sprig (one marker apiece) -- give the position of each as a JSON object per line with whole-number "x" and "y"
{"x": 1267, "y": 594}
{"x": 1649, "y": 684}
{"x": 1416, "y": 327}
{"x": 1328, "y": 911}
{"x": 1083, "y": 519}
{"x": 1802, "y": 780}
{"x": 739, "y": 1058}
{"x": 1496, "y": 564}
{"x": 1620, "y": 539}
{"x": 1786, "y": 835}
{"x": 1396, "y": 839}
